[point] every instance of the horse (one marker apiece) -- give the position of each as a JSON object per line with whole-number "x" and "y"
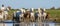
{"x": 27, "y": 16}
{"x": 41, "y": 15}
{"x": 21, "y": 17}
{"x": 16, "y": 16}
{"x": 32, "y": 17}
{"x": 36, "y": 16}
{"x": 5, "y": 14}
{"x": 1, "y": 16}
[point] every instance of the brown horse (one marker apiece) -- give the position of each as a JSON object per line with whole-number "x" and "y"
{"x": 27, "y": 16}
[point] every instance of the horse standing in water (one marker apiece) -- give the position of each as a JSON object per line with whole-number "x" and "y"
{"x": 42, "y": 15}
{"x": 21, "y": 16}
{"x": 27, "y": 16}
{"x": 32, "y": 17}
{"x": 17, "y": 16}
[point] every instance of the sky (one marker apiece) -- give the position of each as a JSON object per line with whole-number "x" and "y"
{"x": 30, "y": 3}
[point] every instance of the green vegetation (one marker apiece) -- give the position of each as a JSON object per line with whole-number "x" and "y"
{"x": 54, "y": 13}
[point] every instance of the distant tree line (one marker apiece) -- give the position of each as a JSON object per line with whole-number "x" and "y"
{"x": 53, "y": 8}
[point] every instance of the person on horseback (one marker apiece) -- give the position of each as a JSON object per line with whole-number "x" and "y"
{"x": 3, "y": 8}
{"x": 4, "y": 12}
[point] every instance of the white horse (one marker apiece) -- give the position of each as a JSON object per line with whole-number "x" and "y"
{"x": 5, "y": 13}
{"x": 23, "y": 10}
{"x": 32, "y": 15}
{"x": 41, "y": 16}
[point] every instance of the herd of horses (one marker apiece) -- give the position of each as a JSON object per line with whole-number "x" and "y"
{"x": 29, "y": 16}
{"x": 24, "y": 15}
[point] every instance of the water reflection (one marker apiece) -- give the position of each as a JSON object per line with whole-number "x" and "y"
{"x": 8, "y": 24}
{"x": 30, "y": 24}
{"x": 51, "y": 24}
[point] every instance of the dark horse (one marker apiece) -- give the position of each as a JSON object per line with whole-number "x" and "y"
{"x": 27, "y": 16}
{"x": 16, "y": 16}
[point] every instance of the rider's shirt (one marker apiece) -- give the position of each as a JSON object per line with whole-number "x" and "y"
{"x": 2, "y": 8}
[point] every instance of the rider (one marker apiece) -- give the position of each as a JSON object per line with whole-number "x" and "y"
{"x": 3, "y": 8}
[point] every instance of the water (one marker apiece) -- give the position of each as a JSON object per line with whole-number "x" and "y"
{"x": 6, "y": 24}
{"x": 31, "y": 24}
{"x": 51, "y": 24}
